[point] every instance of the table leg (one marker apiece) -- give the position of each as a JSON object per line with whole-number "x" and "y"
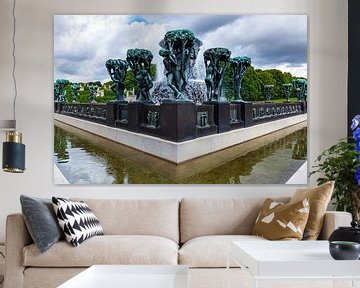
{"x": 228, "y": 270}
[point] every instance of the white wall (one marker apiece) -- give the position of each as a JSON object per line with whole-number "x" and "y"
{"x": 327, "y": 89}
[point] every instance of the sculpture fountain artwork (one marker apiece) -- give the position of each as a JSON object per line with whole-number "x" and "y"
{"x": 59, "y": 90}
{"x": 268, "y": 89}
{"x": 117, "y": 69}
{"x": 238, "y": 67}
{"x": 179, "y": 106}
{"x": 287, "y": 91}
{"x": 216, "y": 61}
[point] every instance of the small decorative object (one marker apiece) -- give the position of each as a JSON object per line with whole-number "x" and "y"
{"x": 341, "y": 163}
{"x": 344, "y": 250}
{"x": 344, "y": 233}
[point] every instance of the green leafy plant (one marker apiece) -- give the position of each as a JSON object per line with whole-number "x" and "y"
{"x": 341, "y": 163}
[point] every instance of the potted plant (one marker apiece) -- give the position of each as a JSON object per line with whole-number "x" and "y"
{"x": 341, "y": 163}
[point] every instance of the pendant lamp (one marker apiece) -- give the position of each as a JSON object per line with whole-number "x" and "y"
{"x": 13, "y": 149}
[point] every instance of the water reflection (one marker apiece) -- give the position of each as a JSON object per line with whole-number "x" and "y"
{"x": 85, "y": 158}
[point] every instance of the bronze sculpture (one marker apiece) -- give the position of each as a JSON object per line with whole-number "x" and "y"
{"x": 139, "y": 61}
{"x": 300, "y": 87}
{"x": 287, "y": 91}
{"x": 178, "y": 49}
{"x": 75, "y": 87}
{"x": 59, "y": 90}
{"x": 238, "y": 67}
{"x": 268, "y": 89}
{"x": 216, "y": 61}
{"x": 117, "y": 70}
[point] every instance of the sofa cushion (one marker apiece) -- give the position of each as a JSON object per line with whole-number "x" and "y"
{"x": 211, "y": 251}
{"x": 158, "y": 217}
{"x": 77, "y": 220}
{"x": 201, "y": 217}
{"x": 319, "y": 198}
{"x": 41, "y": 221}
{"x": 279, "y": 221}
{"x": 107, "y": 249}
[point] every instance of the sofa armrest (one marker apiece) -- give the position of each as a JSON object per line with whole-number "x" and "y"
{"x": 17, "y": 237}
{"x": 333, "y": 220}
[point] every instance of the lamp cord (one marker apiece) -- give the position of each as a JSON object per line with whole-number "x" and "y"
{"x": 14, "y": 60}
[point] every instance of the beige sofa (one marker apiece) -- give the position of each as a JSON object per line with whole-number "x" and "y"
{"x": 194, "y": 232}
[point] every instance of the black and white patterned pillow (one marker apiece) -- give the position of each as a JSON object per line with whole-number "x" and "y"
{"x": 77, "y": 220}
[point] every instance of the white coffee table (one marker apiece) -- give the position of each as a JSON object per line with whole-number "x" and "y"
{"x": 131, "y": 276}
{"x": 292, "y": 260}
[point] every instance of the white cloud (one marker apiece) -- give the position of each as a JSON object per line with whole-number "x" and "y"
{"x": 83, "y": 43}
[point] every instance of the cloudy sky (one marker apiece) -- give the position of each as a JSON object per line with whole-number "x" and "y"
{"x": 83, "y": 43}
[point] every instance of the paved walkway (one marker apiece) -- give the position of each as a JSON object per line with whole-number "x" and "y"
{"x": 59, "y": 178}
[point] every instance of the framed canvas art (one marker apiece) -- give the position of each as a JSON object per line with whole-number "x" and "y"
{"x": 180, "y": 99}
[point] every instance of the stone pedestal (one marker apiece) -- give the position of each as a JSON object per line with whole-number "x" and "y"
{"x": 205, "y": 120}
{"x": 221, "y": 115}
{"x": 235, "y": 116}
{"x": 177, "y": 120}
{"x": 135, "y": 111}
{"x": 303, "y": 106}
{"x": 110, "y": 114}
{"x": 58, "y": 106}
{"x": 116, "y": 114}
{"x": 246, "y": 113}
{"x": 151, "y": 120}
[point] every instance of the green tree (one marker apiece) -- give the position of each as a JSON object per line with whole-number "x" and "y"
{"x": 251, "y": 85}
{"x": 68, "y": 97}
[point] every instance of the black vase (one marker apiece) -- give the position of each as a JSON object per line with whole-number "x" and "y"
{"x": 343, "y": 250}
{"x": 350, "y": 234}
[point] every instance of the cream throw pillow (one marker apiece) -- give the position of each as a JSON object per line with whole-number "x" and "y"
{"x": 319, "y": 198}
{"x": 279, "y": 221}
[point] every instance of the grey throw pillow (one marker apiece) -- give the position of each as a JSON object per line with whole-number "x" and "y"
{"x": 41, "y": 221}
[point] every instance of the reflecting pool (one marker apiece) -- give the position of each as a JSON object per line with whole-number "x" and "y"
{"x": 84, "y": 158}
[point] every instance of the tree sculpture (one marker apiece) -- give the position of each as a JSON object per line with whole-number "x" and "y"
{"x": 287, "y": 91}
{"x": 117, "y": 70}
{"x": 178, "y": 49}
{"x": 93, "y": 88}
{"x": 268, "y": 89}
{"x": 75, "y": 87}
{"x": 59, "y": 90}
{"x": 238, "y": 67}
{"x": 139, "y": 61}
{"x": 300, "y": 87}
{"x": 216, "y": 61}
